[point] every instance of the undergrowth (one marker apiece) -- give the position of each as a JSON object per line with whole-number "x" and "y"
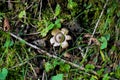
{"x": 33, "y": 21}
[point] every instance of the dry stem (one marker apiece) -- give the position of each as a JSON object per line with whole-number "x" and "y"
{"x": 50, "y": 55}
{"x": 96, "y": 25}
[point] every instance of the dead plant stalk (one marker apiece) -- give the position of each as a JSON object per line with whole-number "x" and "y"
{"x": 50, "y": 55}
{"x": 96, "y": 26}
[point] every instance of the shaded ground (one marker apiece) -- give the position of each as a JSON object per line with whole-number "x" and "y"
{"x": 25, "y": 32}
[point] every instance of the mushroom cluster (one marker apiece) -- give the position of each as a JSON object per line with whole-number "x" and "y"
{"x": 60, "y": 38}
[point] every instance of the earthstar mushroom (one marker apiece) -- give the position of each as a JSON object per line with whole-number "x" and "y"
{"x": 60, "y": 38}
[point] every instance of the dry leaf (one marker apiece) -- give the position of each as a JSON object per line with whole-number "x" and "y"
{"x": 6, "y": 25}
{"x": 67, "y": 55}
{"x": 87, "y": 35}
{"x": 95, "y": 41}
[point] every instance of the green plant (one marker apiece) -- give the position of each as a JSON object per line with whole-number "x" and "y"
{"x": 89, "y": 67}
{"x": 71, "y": 4}
{"x": 104, "y": 42}
{"x": 1, "y": 16}
{"x": 58, "y": 77}
{"x": 72, "y": 7}
{"x": 22, "y": 14}
{"x": 99, "y": 72}
{"x": 51, "y": 65}
{"x": 3, "y": 74}
{"x": 64, "y": 67}
{"x": 8, "y": 43}
{"x": 117, "y": 72}
{"x": 50, "y": 26}
{"x": 106, "y": 77}
{"x": 57, "y": 10}
{"x": 48, "y": 67}
{"x": 94, "y": 78}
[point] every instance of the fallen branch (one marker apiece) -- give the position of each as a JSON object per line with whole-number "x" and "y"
{"x": 50, "y": 55}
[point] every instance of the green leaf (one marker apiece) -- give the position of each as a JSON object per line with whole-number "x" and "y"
{"x": 8, "y": 43}
{"x": 51, "y": 26}
{"x": 65, "y": 67}
{"x": 44, "y": 32}
{"x": 107, "y": 36}
{"x": 89, "y": 6}
{"x": 99, "y": 72}
{"x": 117, "y": 72}
{"x": 58, "y": 77}
{"x": 3, "y": 74}
{"x": 106, "y": 77}
{"x": 103, "y": 43}
{"x": 57, "y": 23}
{"x": 47, "y": 29}
{"x": 71, "y": 5}
{"x": 57, "y": 10}
{"x": 93, "y": 78}
{"x": 55, "y": 63}
{"x": 102, "y": 55}
{"x": 118, "y": 13}
{"x": 22, "y": 14}
{"x": 48, "y": 67}
{"x": 89, "y": 66}
{"x": 1, "y": 16}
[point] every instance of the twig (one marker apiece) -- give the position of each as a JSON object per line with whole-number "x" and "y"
{"x": 40, "y": 10}
{"x": 96, "y": 25}
{"x": 51, "y": 9}
{"x": 20, "y": 39}
{"x": 43, "y": 75}
{"x": 10, "y": 1}
{"x": 35, "y": 74}
{"x": 50, "y": 55}
{"x": 36, "y": 33}
{"x": 29, "y": 6}
{"x": 19, "y": 65}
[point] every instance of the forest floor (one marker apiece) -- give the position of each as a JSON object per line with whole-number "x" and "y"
{"x": 59, "y": 40}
